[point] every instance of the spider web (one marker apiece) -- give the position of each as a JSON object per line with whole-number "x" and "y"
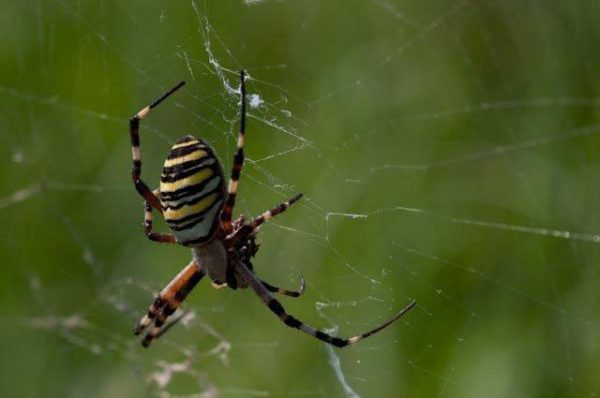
{"x": 447, "y": 152}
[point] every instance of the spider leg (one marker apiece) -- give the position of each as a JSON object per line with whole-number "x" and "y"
{"x": 267, "y": 215}
{"x": 155, "y": 236}
{"x": 134, "y": 128}
{"x": 170, "y": 324}
{"x": 251, "y": 227}
{"x": 276, "y": 307}
{"x": 238, "y": 162}
{"x": 169, "y": 300}
{"x": 291, "y": 293}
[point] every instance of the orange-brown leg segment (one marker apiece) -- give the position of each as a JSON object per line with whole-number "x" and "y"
{"x": 276, "y": 307}
{"x": 238, "y": 162}
{"x": 168, "y": 301}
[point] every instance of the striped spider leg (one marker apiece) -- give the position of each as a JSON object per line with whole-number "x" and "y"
{"x": 238, "y": 163}
{"x": 134, "y": 126}
{"x": 197, "y": 207}
{"x": 276, "y": 307}
{"x": 169, "y": 300}
{"x": 259, "y": 287}
{"x": 154, "y": 236}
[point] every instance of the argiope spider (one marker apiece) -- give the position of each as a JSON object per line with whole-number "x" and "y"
{"x": 197, "y": 208}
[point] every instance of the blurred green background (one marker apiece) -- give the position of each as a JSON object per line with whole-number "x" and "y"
{"x": 448, "y": 151}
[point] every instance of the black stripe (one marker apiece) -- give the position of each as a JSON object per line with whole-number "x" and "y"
{"x": 231, "y": 198}
{"x": 191, "y": 202}
{"x": 178, "y": 221}
{"x": 183, "y": 192}
{"x": 187, "y": 173}
{"x": 190, "y": 164}
{"x": 276, "y": 307}
{"x": 322, "y": 336}
{"x": 278, "y": 209}
{"x": 228, "y": 208}
{"x": 292, "y": 322}
{"x": 336, "y": 341}
{"x": 137, "y": 165}
{"x": 186, "y": 150}
{"x": 192, "y": 217}
{"x": 238, "y": 161}
{"x": 203, "y": 238}
{"x": 134, "y": 126}
{"x": 186, "y": 138}
{"x": 199, "y": 240}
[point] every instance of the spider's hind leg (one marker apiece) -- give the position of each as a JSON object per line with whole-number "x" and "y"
{"x": 285, "y": 292}
{"x": 168, "y": 301}
{"x": 277, "y": 309}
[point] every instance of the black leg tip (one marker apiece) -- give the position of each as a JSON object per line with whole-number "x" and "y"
{"x": 340, "y": 343}
{"x": 296, "y": 198}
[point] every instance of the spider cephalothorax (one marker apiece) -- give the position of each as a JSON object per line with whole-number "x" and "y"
{"x": 198, "y": 209}
{"x": 244, "y": 250}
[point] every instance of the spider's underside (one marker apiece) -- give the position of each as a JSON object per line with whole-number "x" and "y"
{"x": 198, "y": 209}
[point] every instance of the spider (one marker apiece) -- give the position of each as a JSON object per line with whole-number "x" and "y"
{"x": 197, "y": 208}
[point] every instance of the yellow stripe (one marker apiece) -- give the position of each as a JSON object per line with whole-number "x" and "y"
{"x": 174, "y": 215}
{"x": 196, "y": 178}
{"x": 199, "y": 154}
{"x": 188, "y": 143}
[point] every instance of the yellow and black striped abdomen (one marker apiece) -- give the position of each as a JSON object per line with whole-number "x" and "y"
{"x": 192, "y": 191}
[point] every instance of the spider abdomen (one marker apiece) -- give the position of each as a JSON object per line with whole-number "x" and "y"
{"x": 192, "y": 191}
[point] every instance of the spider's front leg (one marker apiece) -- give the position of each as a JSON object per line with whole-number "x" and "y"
{"x": 168, "y": 301}
{"x": 238, "y": 163}
{"x": 251, "y": 228}
{"x": 134, "y": 132}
